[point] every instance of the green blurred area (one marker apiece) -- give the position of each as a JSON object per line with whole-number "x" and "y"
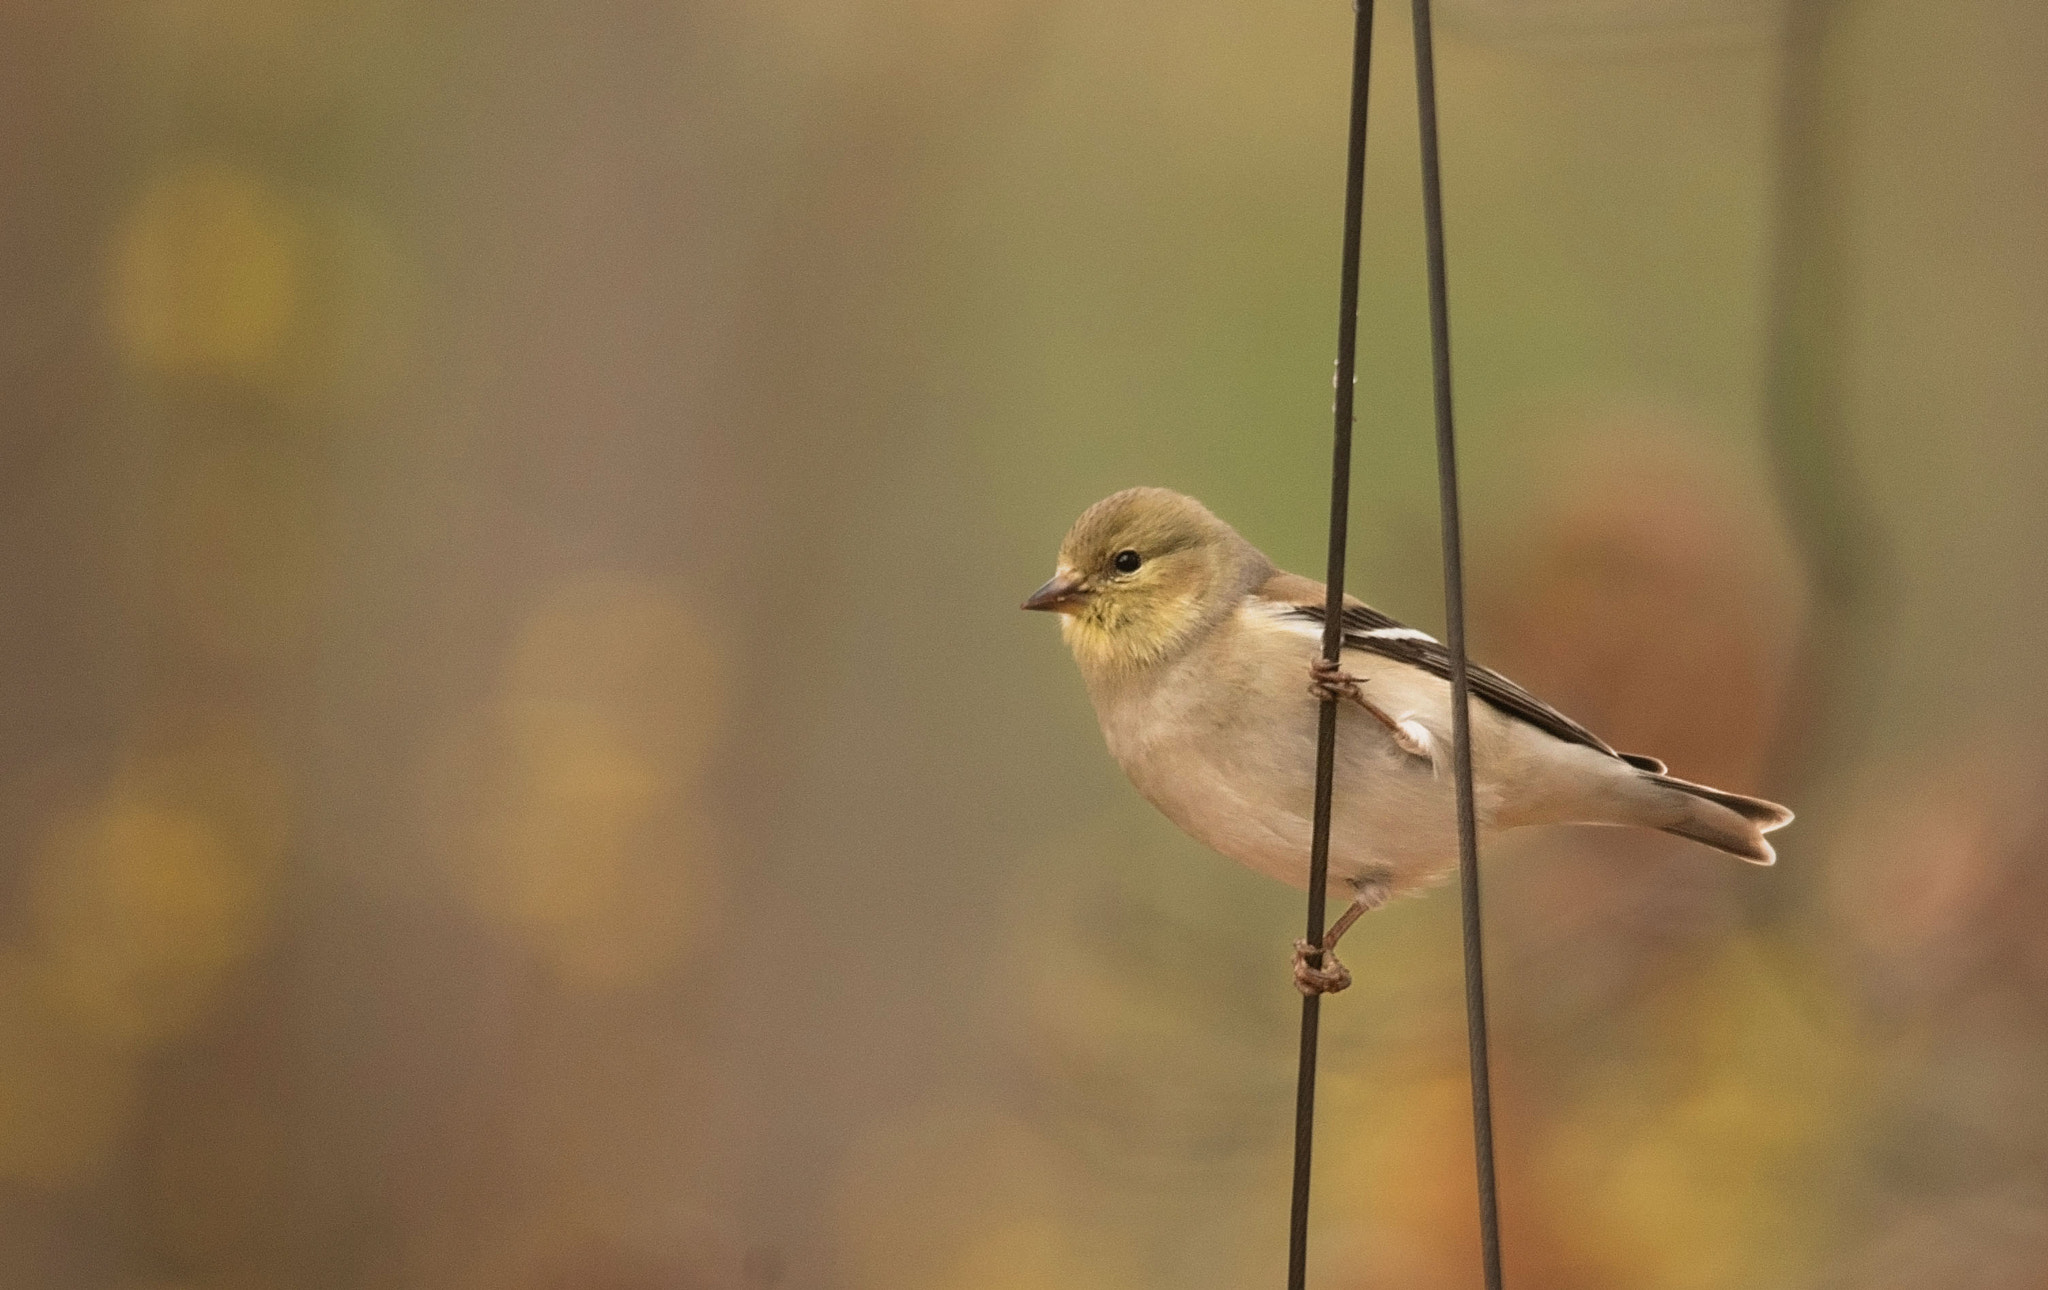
{"x": 520, "y": 766}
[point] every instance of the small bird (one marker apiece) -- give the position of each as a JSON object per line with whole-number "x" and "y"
{"x": 1205, "y": 667}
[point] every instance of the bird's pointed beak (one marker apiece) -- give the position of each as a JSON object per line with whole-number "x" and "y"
{"x": 1064, "y": 594}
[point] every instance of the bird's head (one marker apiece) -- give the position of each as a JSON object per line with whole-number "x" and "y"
{"x": 1141, "y": 573}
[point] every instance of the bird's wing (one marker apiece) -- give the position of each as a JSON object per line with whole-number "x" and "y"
{"x": 1366, "y": 628}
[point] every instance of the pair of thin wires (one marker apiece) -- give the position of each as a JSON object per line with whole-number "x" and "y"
{"x": 1454, "y": 616}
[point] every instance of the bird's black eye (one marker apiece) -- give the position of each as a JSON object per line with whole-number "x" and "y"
{"x": 1127, "y": 561}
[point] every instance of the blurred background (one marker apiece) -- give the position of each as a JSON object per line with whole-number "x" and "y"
{"x": 520, "y": 766}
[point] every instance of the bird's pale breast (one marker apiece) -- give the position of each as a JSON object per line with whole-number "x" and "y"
{"x": 1231, "y": 759}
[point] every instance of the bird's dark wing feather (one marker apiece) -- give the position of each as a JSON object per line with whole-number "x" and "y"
{"x": 1362, "y": 621}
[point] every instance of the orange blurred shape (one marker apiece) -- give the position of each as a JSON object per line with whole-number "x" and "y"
{"x": 1395, "y": 1193}
{"x": 1934, "y": 876}
{"x": 1651, "y": 598}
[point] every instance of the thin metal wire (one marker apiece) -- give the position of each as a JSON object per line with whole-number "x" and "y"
{"x": 1454, "y": 623}
{"x": 1333, "y": 632}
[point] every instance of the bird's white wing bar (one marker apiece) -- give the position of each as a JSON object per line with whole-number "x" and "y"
{"x": 1372, "y": 631}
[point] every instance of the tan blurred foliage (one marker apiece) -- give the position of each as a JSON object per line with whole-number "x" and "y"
{"x": 517, "y": 765}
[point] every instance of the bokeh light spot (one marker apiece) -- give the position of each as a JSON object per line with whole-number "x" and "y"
{"x": 634, "y": 648}
{"x": 140, "y": 906}
{"x": 951, "y": 1198}
{"x": 207, "y": 272}
{"x": 587, "y": 843}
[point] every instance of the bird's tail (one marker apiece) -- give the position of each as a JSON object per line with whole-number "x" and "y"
{"x": 1725, "y": 821}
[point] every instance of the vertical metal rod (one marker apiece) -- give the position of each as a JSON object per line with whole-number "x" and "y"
{"x": 1454, "y": 616}
{"x": 1333, "y": 631}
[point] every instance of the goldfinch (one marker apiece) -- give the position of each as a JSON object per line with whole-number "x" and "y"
{"x": 1204, "y": 665}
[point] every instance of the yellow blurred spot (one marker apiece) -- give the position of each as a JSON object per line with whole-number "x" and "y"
{"x": 241, "y": 547}
{"x": 140, "y": 907}
{"x": 579, "y": 855}
{"x": 586, "y": 840}
{"x": 136, "y": 906}
{"x": 215, "y": 761}
{"x": 207, "y": 273}
{"x": 1716, "y": 1174}
{"x": 629, "y": 648}
{"x": 1394, "y": 1181}
{"x": 959, "y": 1199}
{"x": 888, "y": 42}
{"x": 65, "y": 1101}
{"x": 1022, "y": 1252}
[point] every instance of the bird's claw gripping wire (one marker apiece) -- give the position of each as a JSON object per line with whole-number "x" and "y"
{"x": 1329, "y": 681}
{"x": 1331, "y": 977}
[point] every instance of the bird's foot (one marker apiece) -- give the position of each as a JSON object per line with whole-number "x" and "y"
{"x": 1331, "y": 977}
{"x": 1330, "y": 682}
